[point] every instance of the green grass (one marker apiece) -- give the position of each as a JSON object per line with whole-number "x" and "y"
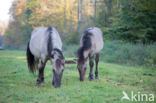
{"x": 17, "y": 85}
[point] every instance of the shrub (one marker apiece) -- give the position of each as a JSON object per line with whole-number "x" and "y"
{"x": 73, "y": 38}
{"x": 129, "y": 53}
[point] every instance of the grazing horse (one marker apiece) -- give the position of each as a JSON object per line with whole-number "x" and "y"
{"x": 45, "y": 44}
{"x": 91, "y": 43}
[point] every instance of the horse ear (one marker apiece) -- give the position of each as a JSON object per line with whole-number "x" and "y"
{"x": 53, "y": 53}
{"x": 63, "y": 61}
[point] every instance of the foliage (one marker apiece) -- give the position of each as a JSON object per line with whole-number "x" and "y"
{"x": 19, "y": 29}
{"x": 70, "y": 50}
{"x": 30, "y": 14}
{"x": 129, "y": 53}
{"x": 134, "y": 21}
{"x": 18, "y": 85}
{"x": 73, "y": 38}
{"x": 1, "y": 40}
{"x": 125, "y": 20}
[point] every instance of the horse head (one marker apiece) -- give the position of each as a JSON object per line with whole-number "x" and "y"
{"x": 58, "y": 67}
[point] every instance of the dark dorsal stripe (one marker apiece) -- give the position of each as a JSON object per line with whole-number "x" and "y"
{"x": 49, "y": 44}
{"x": 87, "y": 30}
{"x": 86, "y": 40}
{"x": 59, "y": 52}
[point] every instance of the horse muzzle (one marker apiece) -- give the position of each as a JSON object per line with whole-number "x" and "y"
{"x": 57, "y": 80}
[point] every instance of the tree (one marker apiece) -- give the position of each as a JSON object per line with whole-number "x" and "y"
{"x": 19, "y": 29}
{"x": 109, "y": 8}
{"x": 95, "y": 1}
{"x": 64, "y": 17}
{"x": 131, "y": 20}
{"x": 79, "y": 15}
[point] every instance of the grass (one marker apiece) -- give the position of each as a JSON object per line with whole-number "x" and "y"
{"x": 17, "y": 85}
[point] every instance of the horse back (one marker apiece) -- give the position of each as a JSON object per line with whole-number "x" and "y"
{"x": 96, "y": 39}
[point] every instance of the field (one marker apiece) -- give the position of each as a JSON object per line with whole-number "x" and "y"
{"x": 17, "y": 84}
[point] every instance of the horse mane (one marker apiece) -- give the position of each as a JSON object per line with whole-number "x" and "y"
{"x": 49, "y": 44}
{"x": 59, "y": 52}
{"x": 86, "y": 44}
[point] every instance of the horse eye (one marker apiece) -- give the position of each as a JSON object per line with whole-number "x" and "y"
{"x": 63, "y": 64}
{"x": 52, "y": 56}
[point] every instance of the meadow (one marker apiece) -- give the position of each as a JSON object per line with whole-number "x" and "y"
{"x": 17, "y": 84}
{"x": 127, "y": 61}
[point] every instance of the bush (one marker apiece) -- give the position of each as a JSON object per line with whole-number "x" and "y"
{"x": 70, "y": 50}
{"x": 129, "y": 53}
{"x": 73, "y": 38}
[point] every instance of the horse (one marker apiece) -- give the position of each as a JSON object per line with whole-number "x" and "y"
{"x": 45, "y": 44}
{"x": 91, "y": 43}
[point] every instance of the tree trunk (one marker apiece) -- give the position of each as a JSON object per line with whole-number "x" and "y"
{"x": 109, "y": 7}
{"x": 79, "y": 15}
{"x": 71, "y": 21}
{"x": 95, "y": 1}
{"x": 105, "y": 18}
{"x": 64, "y": 31}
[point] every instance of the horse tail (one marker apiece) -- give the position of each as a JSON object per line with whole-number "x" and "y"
{"x": 30, "y": 60}
{"x": 49, "y": 44}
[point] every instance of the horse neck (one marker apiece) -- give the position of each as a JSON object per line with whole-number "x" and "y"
{"x": 83, "y": 54}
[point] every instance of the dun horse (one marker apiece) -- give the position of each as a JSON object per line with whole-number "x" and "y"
{"x": 91, "y": 43}
{"x": 45, "y": 44}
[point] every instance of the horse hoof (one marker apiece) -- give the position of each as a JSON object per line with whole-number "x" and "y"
{"x": 96, "y": 77}
{"x": 37, "y": 84}
{"x": 81, "y": 80}
{"x": 90, "y": 78}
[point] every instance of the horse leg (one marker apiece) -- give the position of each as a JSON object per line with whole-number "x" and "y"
{"x": 97, "y": 61}
{"x": 91, "y": 64}
{"x": 40, "y": 78}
